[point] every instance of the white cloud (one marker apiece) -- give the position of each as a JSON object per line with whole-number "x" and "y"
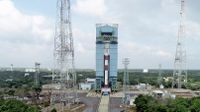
{"x": 24, "y": 38}
{"x": 84, "y": 43}
{"x": 90, "y": 7}
{"x": 140, "y": 49}
{"x": 164, "y": 54}
{"x": 17, "y": 25}
{"x": 193, "y": 30}
{"x": 147, "y": 32}
{"x": 144, "y": 55}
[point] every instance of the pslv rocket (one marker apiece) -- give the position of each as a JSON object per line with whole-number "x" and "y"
{"x": 106, "y": 63}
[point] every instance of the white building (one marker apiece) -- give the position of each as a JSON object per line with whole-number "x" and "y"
{"x": 29, "y": 70}
{"x": 86, "y": 86}
{"x": 158, "y": 93}
{"x": 90, "y": 80}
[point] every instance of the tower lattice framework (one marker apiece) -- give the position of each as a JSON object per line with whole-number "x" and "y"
{"x": 180, "y": 69}
{"x": 37, "y": 72}
{"x": 126, "y": 96}
{"x": 160, "y": 75}
{"x": 64, "y": 75}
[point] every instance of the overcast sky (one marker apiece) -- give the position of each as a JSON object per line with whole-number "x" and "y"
{"x": 147, "y": 31}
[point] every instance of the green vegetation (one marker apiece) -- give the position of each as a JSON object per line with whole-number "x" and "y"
{"x": 22, "y": 84}
{"x": 137, "y": 76}
{"x": 54, "y": 110}
{"x": 16, "y": 106}
{"x": 149, "y": 104}
{"x": 17, "y": 79}
{"x": 83, "y": 74}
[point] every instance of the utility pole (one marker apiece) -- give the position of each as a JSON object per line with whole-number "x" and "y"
{"x": 64, "y": 74}
{"x": 180, "y": 69}
{"x": 126, "y": 85}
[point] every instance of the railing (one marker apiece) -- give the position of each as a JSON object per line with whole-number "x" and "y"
{"x": 101, "y": 38}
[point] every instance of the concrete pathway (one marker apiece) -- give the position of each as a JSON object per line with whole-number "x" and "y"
{"x": 104, "y": 104}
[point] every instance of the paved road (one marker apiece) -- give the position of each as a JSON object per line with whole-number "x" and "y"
{"x": 90, "y": 102}
{"x": 104, "y": 104}
{"x": 115, "y": 103}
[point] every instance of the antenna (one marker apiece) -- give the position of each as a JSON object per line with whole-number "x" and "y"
{"x": 180, "y": 71}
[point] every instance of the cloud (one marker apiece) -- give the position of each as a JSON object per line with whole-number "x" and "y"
{"x": 164, "y": 54}
{"x": 193, "y": 30}
{"x": 84, "y": 43}
{"x": 147, "y": 32}
{"x": 17, "y": 26}
{"x": 144, "y": 56}
{"x": 24, "y": 38}
{"x": 140, "y": 49}
{"x": 90, "y": 7}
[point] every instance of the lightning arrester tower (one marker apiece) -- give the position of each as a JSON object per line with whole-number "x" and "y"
{"x": 126, "y": 96}
{"x": 64, "y": 69}
{"x": 37, "y": 72}
{"x": 180, "y": 70}
{"x": 160, "y": 75}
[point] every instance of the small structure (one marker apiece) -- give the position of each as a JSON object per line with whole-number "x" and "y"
{"x": 163, "y": 94}
{"x": 158, "y": 93}
{"x": 29, "y": 70}
{"x": 90, "y": 80}
{"x": 86, "y": 86}
{"x": 9, "y": 80}
{"x": 184, "y": 93}
{"x": 166, "y": 79}
{"x": 132, "y": 100}
{"x": 161, "y": 86}
{"x": 51, "y": 86}
{"x": 141, "y": 86}
{"x": 26, "y": 74}
{"x": 145, "y": 70}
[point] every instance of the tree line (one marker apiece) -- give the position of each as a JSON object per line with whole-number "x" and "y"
{"x": 145, "y": 103}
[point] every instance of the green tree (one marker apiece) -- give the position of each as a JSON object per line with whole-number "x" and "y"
{"x": 11, "y": 92}
{"x": 143, "y": 103}
{"x": 195, "y": 105}
{"x": 16, "y": 106}
{"x": 54, "y": 110}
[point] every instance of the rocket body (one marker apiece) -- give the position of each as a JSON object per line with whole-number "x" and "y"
{"x": 106, "y": 64}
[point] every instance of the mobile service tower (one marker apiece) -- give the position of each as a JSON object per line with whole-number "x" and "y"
{"x": 106, "y": 57}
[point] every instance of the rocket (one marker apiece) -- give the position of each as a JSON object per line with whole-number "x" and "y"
{"x": 106, "y": 64}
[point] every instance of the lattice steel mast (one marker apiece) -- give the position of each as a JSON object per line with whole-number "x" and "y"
{"x": 126, "y": 96}
{"x": 160, "y": 75}
{"x": 180, "y": 70}
{"x": 64, "y": 68}
{"x": 37, "y": 71}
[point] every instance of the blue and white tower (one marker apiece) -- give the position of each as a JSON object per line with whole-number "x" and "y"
{"x": 106, "y": 57}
